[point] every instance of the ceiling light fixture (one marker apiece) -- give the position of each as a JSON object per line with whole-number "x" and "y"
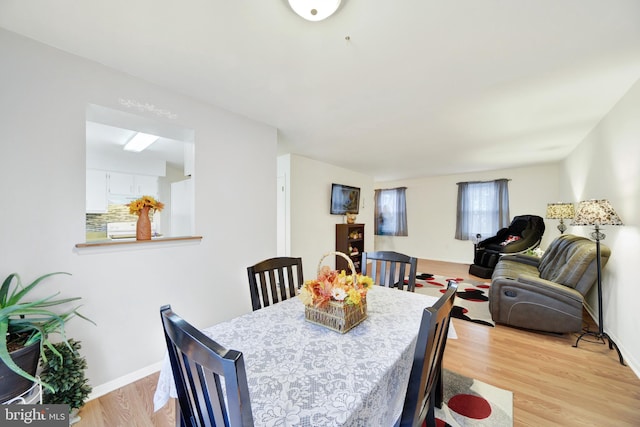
{"x": 315, "y": 10}
{"x": 140, "y": 141}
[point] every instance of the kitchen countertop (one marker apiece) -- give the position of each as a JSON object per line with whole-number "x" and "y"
{"x": 92, "y": 236}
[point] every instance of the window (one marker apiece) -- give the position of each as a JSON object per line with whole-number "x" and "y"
{"x": 483, "y": 208}
{"x": 391, "y": 212}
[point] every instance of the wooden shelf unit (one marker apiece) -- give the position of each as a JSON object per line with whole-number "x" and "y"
{"x": 350, "y": 241}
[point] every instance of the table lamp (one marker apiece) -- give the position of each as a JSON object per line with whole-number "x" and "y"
{"x": 560, "y": 211}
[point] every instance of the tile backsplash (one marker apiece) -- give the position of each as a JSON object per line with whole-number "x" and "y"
{"x": 115, "y": 213}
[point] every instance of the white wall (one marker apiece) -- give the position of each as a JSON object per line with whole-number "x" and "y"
{"x": 313, "y": 228}
{"x": 607, "y": 166}
{"x": 431, "y": 210}
{"x": 44, "y": 95}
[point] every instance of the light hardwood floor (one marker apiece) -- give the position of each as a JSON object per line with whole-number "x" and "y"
{"x": 553, "y": 383}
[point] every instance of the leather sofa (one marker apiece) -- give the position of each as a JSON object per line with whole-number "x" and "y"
{"x": 546, "y": 293}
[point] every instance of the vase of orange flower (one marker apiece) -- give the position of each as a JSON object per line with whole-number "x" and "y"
{"x": 142, "y": 207}
{"x": 335, "y": 299}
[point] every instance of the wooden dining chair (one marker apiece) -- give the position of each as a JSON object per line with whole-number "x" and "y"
{"x": 274, "y": 280}
{"x": 424, "y": 391}
{"x": 199, "y": 365}
{"x": 390, "y": 269}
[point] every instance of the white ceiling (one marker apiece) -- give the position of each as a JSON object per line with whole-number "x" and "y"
{"x": 110, "y": 140}
{"x": 421, "y": 87}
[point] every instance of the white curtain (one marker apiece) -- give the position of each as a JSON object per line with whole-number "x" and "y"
{"x": 391, "y": 212}
{"x": 483, "y": 208}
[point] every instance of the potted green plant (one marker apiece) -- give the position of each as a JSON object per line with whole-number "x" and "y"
{"x": 67, "y": 377}
{"x": 25, "y": 327}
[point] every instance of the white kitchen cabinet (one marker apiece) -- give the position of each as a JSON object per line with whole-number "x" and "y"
{"x": 124, "y": 184}
{"x": 189, "y": 158}
{"x": 121, "y": 184}
{"x": 96, "y": 196}
{"x": 146, "y": 185}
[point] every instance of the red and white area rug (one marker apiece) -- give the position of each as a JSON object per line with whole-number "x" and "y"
{"x": 471, "y": 403}
{"x": 472, "y": 298}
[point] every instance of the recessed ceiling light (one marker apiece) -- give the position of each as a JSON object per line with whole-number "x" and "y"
{"x": 314, "y": 10}
{"x": 140, "y": 141}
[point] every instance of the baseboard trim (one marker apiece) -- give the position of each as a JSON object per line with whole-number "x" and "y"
{"x": 112, "y": 385}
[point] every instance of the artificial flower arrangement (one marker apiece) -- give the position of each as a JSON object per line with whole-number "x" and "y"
{"x": 537, "y": 252}
{"x": 138, "y": 205}
{"x": 331, "y": 285}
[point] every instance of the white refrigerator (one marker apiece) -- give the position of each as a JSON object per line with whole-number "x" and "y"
{"x": 182, "y": 208}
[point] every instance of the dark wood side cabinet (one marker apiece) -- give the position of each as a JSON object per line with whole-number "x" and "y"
{"x": 350, "y": 241}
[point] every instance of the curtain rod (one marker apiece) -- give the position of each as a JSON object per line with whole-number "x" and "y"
{"x": 481, "y": 182}
{"x": 394, "y": 188}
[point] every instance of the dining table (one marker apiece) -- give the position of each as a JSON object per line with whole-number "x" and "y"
{"x": 303, "y": 374}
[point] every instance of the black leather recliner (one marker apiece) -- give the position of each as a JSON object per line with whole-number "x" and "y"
{"x": 524, "y": 233}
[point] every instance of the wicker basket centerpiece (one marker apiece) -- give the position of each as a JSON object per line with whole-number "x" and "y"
{"x": 335, "y": 299}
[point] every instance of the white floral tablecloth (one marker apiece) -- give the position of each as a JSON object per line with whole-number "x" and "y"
{"x": 301, "y": 374}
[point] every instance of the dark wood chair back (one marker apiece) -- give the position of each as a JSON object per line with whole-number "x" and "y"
{"x": 198, "y": 364}
{"x": 274, "y": 280}
{"x": 424, "y": 391}
{"x": 389, "y": 269}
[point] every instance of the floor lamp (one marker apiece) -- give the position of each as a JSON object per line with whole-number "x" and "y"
{"x": 597, "y": 213}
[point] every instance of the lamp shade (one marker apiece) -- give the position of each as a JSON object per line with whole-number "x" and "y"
{"x": 596, "y": 212}
{"x": 560, "y": 210}
{"x": 314, "y": 10}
